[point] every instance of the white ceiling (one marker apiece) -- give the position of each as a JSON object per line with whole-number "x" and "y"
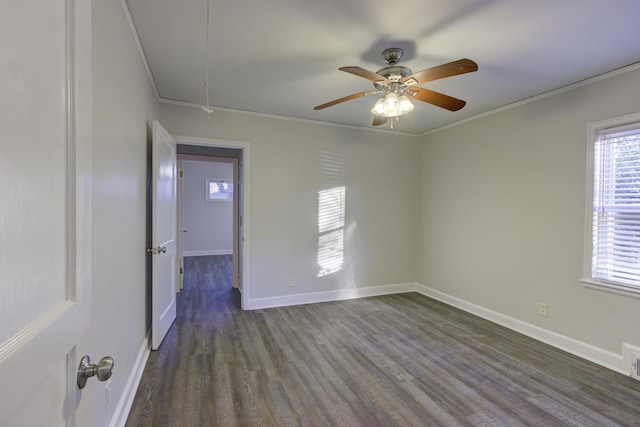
{"x": 281, "y": 57}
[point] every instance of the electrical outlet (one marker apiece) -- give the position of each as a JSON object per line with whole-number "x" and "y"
{"x": 542, "y": 309}
{"x": 292, "y": 281}
{"x": 631, "y": 356}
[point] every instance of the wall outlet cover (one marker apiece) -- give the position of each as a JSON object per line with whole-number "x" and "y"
{"x": 631, "y": 356}
{"x": 542, "y": 309}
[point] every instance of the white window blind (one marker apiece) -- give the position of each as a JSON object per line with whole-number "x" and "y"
{"x": 331, "y": 217}
{"x": 616, "y": 207}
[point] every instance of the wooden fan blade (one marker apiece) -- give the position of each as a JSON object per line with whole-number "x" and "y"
{"x": 379, "y": 120}
{"x": 436, "y": 98}
{"x": 361, "y": 72}
{"x": 346, "y": 98}
{"x": 454, "y": 68}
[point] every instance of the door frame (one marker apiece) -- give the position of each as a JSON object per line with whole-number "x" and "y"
{"x": 235, "y": 162}
{"x": 243, "y": 206}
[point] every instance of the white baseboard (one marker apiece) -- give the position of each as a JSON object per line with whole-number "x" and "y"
{"x": 338, "y": 295}
{"x": 597, "y": 355}
{"x": 121, "y": 412}
{"x": 208, "y": 252}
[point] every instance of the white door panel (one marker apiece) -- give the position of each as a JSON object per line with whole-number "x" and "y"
{"x": 45, "y": 211}
{"x": 50, "y": 395}
{"x": 164, "y": 229}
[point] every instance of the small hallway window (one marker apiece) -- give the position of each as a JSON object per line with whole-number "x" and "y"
{"x": 219, "y": 190}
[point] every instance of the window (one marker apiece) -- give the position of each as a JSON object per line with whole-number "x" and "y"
{"x": 331, "y": 216}
{"x": 612, "y": 259}
{"x": 219, "y": 190}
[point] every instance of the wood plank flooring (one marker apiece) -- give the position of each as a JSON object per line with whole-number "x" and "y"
{"x": 397, "y": 360}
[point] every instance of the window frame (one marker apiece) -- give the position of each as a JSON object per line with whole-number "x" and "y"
{"x": 593, "y": 133}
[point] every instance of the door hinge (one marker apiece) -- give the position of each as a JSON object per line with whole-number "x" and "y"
{"x": 180, "y": 270}
{"x": 181, "y": 174}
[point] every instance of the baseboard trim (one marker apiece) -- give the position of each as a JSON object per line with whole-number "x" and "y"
{"x": 121, "y": 412}
{"x": 337, "y": 295}
{"x": 604, "y": 358}
{"x": 208, "y": 252}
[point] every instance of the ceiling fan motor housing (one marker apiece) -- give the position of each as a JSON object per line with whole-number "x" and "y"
{"x": 393, "y": 72}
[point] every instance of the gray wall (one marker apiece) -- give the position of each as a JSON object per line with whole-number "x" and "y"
{"x": 209, "y": 224}
{"x": 123, "y": 106}
{"x": 289, "y": 163}
{"x": 502, "y": 213}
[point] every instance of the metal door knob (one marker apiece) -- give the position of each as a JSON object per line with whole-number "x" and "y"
{"x": 102, "y": 370}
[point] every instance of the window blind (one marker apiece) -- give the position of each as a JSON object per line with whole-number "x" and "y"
{"x": 616, "y": 207}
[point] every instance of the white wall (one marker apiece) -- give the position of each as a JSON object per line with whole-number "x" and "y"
{"x": 123, "y": 107}
{"x": 289, "y": 163}
{"x": 502, "y": 214}
{"x": 209, "y": 224}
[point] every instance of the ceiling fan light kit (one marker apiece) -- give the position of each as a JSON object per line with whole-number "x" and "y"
{"x": 399, "y": 85}
{"x": 392, "y": 105}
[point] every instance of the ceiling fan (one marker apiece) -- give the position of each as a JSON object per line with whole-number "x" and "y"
{"x": 400, "y": 85}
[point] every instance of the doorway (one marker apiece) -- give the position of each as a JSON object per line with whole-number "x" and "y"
{"x": 219, "y": 185}
{"x": 207, "y": 209}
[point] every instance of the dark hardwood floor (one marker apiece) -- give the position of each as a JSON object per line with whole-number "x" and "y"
{"x": 397, "y": 360}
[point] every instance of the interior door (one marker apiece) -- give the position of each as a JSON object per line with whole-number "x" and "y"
{"x": 45, "y": 213}
{"x": 164, "y": 230}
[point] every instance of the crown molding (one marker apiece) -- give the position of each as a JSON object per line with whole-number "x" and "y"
{"x": 134, "y": 33}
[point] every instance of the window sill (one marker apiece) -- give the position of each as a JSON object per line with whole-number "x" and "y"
{"x": 611, "y": 288}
